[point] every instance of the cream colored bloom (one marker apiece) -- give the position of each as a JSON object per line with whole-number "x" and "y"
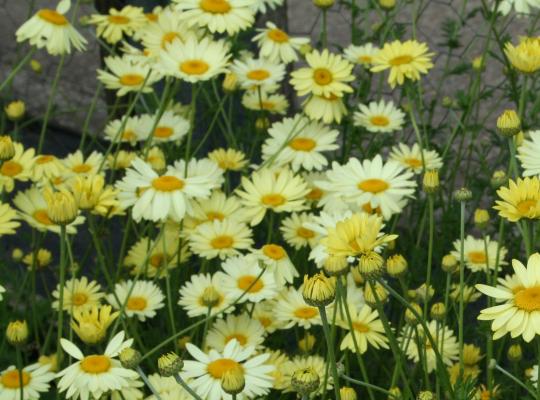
{"x": 379, "y": 117}
{"x": 17, "y": 168}
{"x": 276, "y": 45}
{"x": 258, "y": 74}
{"x": 8, "y": 220}
{"x": 476, "y": 258}
{"x": 113, "y": 26}
{"x": 247, "y": 331}
{"x": 411, "y": 158}
{"x": 139, "y": 298}
{"x": 205, "y": 292}
{"x": 220, "y": 239}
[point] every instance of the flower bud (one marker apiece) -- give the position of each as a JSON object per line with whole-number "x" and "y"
{"x": 481, "y": 218}
{"x": 323, "y": 3}
{"x": 431, "y": 181}
{"x": 515, "y": 353}
{"x": 210, "y": 297}
{"x": 410, "y": 316}
{"x": 425, "y": 293}
{"x": 478, "y": 63}
{"x": 449, "y": 264}
{"x": 319, "y": 290}
{"x": 374, "y": 292}
{"x": 498, "y": 179}
{"x": 509, "y": 123}
{"x": 305, "y": 49}
{"x": 129, "y": 358}
{"x": 371, "y": 265}
{"x": 262, "y": 124}
{"x": 62, "y": 207}
{"x": 449, "y": 102}
{"x": 387, "y": 4}
{"x": 396, "y": 265}
{"x": 357, "y": 276}
{"x": 305, "y": 381}
{"x": 336, "y": 266}
{"x": 230, "y": 82}
{"x": 395, "y": 393}
{"x": 36, "y": 66}
{"x": 307, "y": 343}
{"x": 17, "y": 333}
{"x": 347, "y": 393}
{"x": 7, "y": 150}
{"x": 15, "y": 110}
{"x": 170, "y": 364}
{"x": 426, "y": 395}
{"x": 17, "y": 254}
{"x": 462, "y": 194}
{"x": 233, "y": 381}
{"x": 49, "y": 360}
{"x": 438, "y": 311}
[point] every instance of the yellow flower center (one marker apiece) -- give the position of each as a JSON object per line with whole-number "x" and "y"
{"x": 322, "y": 76}
{"x": 151, "y": 17}
{"x": 163, "y": 132}
{"x": 273, "y": 199}
{"x": 302, "y": 144}
{"x": 129, "y": 135}
{"x": 168, "y": 183}
{"x": 305, "y": 312}
{"x": 131, "y": 79}
{"x": 413, "y": 162}
{"x": 373, "y": 185}
{"x": 365, "y": 59}
{"x": 274, "y": 251}
{"x": 78, "y": 299}
{"x": 45, "y": 159}
{"x": 265, "y": 321}
{"x": 81, "y": 168}
{"x": 400, "y": 60}
{"x": 194, "y": 67}
{"x": 12, "y": 379}
{"x": 277, "y": 35}
{"x": 242, "y": 339}
{"x": 42, "y": 217}
{"x": 370, "y": 210}
{"x": 528, "y": 299}
{"x": 52, "y": 16}
{"x": 11, "y": 168}
{"x": 360, "y": 327}
{"x": 526, "y": 206}
{"x": 222, "y": 242}
{"x": 118, "y": 19}
{"x": 219, "y": 367}
{"x": 305, "y": 233}
{"x": 168, "y": 38}
{"x": 477, "y": 257}
{"x": 250, "y": 284}
{"x": 136, "y": 303}
{"x": 215, "y": 215}
{"x": 95, "y": 364}
{"x": 379, "y": 120}
{"x": 268, "y": 105}
{"x": 156, "y": 260}
{"x": 215, "y": 6}
{"x": 315, "y": 194}
{"x": 258, "y": 74}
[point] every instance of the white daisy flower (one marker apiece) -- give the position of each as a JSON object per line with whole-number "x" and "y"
{"x": 258, "y": 73}
{"x": 294, "y": 230}
{"x": 411, "y": 157}
{"x": 170, "y": 127}
{"x": 264, "y": 313}
{"x": 290, "y": 310}
{"x": 79, "y": 294}
{"x": 35, "y": 379}
{"x": 194, "y": 295}
{"x": 327, "y": 109}
{"x": 273, "y": 103}
{"x": 299, "y": 142}
{"x": 276, "y": 260}
{"x": 528, "y": 154}
{"x": 247, "y": 331}
{"x": 379, "y": 117}
{"x": 77, "y": 164}
{"x": 95, "y": 374}
{"x": 208, "y": 368}
{"x": 243, "y": 276}
{"x": 276, "y": 45}
{"x": 261, "y": 5}
{"x": 167, "y": 388}
{"x": 475, "y": 256}
{"x": 362, "y": 55}
{"x": 139, "y": 298}
{"x": 123, "y": 131}
{"x": 220, "y": 238}
{"x": 520, "y": 6}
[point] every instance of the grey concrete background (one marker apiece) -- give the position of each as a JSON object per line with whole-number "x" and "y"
{"x": 78, "y": 81}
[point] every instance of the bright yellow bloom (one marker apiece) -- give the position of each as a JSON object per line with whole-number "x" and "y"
{"x": 525, "y": 57}
{"x": 91, "y": 324}
{"x": 521, "y": 199}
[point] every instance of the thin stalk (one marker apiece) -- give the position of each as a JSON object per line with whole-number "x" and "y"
{"x": 430, "y": 249}
{"x": 62, "y": 283}
{"x": 17, "y": 68}
{"x": 186, "y": 387}
{"x": 147, "y": 382}
{"x": 461, "y": 283}
{"x": 330, "y": 348}
{"x": 20, "y": 370}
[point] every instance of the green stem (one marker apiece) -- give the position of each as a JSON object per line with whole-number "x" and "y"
{"x": 430, "y": 250}
{"x": 186, "y": 387}
{"x": 17, "y": 68}
{"x": 62, "y": 283}
{"x": 461, "y": 283}
{"x": 330, "y": 349}
{"x": 147, "y": 382}
{"x": 20, "y": 370}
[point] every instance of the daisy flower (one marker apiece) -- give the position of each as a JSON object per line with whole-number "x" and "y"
{"x": 219, "y": 16}
{"x": 78, "y": 294}
{"x": 194, "y": 60}
{"x": 260, "y": 5}
{"x": 315, "y": 363}
{"x": 521, "y": 199}
{"x": 50, "y": 29}
{"x": 475, "y": 255}
{"x": 326, "y": 75}
{"x": 194, "y": 295}
{"x": 517, "y": 314}
{"x": 46, "y": 167}
{"x": 275, "y": 191}
{"x": 170, "y": 127}
{"x": 17, "y": 168}
{"x": 316, "y": 193}
{"x": 247, "y": 331}
{"x": 217, "y": 207}
{"x": 243, "y": 276}
{"x": 371, "y": 183}
{"x": 411, "y": 157}
{"x": 362, "y": 55}
{"x": 444, "y": 339}
{"x": 33, "y": 210}
{"x": 290, "y": 310}
{"x": 273, "y": 103}
{"x": 228, "y": 159}
{"x": 95, "y": 374}
{"x": 276, "y": 260}
{"x": 35, "y": 379}
{"x": 300, "y": 143}
{"x": 264, "y": 313}
{"x": 258, "y": 73}
{"x": 406, "y": 60}
{"x": 379, "y": 117}
{"x": 281, "y": 363}
{"x": 8, "y": 220}
{"x": 528, "y": 154}
{"x": 2, "y": 291}
{"x": 220, "y": 238}
{"x": 167, "y": 388}
{"x": 157, "y": 197}
{"x": 208, "y": 368}
{"x": 126, "y": 74}
{"x": 470, "y": 295}
{"x": 327, "y": 109}
{"x": 295, "y": 233}
{"x": 520, "y": 6}
{"x": 113, "y": 26}
{"x": 525, "y": 57}
{"x": 77, "y": 164}
{"x": 276, "y": 45}
{"x": 139, "y": 298}
{"x": 367, "y": 329}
